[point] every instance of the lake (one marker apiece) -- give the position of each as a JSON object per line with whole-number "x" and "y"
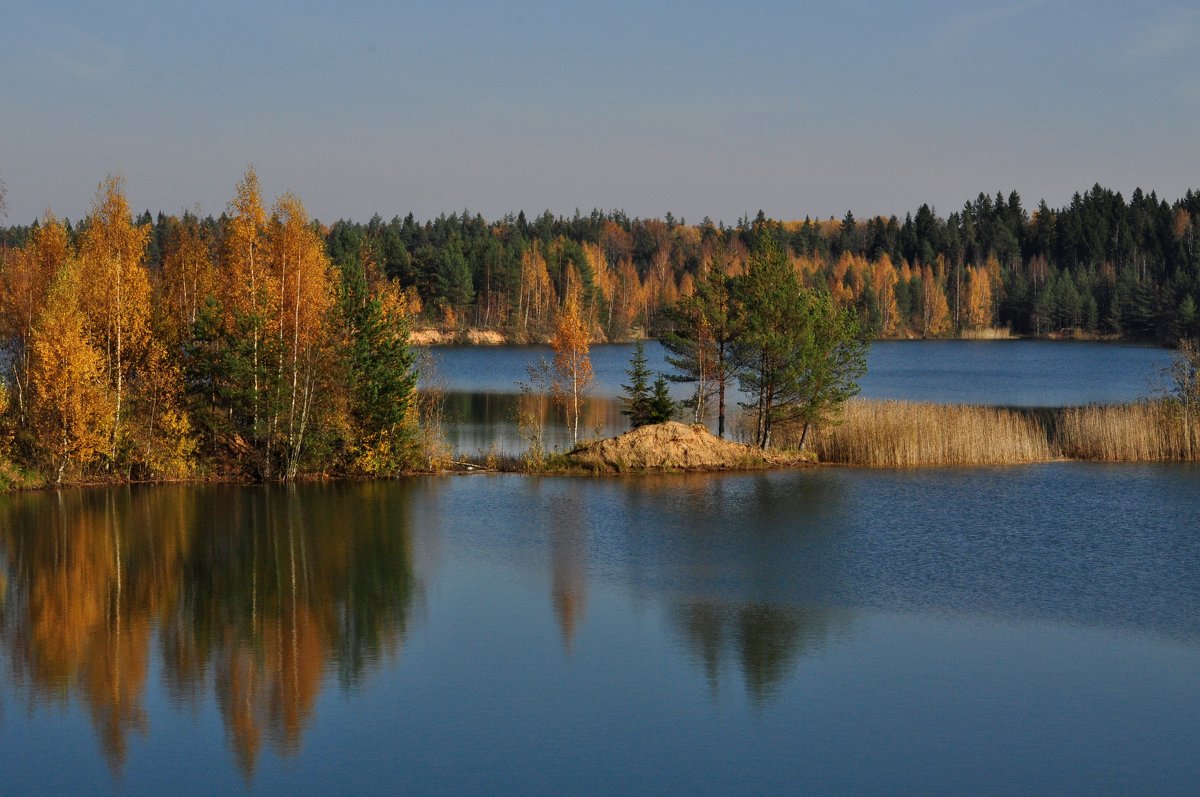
{"x": 1019, "y": 373}
{"x": 482, "y": 394}
{"x": 1029, "y": 629}
{"x": 816, "y": 631}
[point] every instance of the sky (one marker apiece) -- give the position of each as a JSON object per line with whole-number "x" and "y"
{"x": 698, "y": 108}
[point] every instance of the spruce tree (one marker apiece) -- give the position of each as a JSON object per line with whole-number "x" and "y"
{"x": 636, "y": 403}
{"x": 378, "y": 364}
{"x": 661, "y": 406}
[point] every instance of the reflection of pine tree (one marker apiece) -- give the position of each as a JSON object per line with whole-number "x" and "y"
{"x": 765, "y": 640}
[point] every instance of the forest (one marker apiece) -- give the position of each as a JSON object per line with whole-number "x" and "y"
{"x": 1102, "y": 266}
{"x": 265, "y": 344}
{"x": 248, "y": 357}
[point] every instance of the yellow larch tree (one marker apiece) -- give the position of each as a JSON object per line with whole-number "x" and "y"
{"x": 839, "y": 289}
{"x": 935, "y": 310}
{"x": 115, "y": 290}
{"x": 883, "y": 280}
{"x": 979, "y": 298}
{"x": 629, "y": 298}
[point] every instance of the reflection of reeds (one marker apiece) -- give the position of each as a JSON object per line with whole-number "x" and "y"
{"x": 908, "y": 434}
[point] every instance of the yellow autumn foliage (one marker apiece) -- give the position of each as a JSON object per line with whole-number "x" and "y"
{"x": 572, "y": 362}
{"x": 71, "y": 412}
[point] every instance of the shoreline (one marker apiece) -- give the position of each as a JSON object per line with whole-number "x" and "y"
{"x": 874, "y": 434}
{"x": 487, "y": 337}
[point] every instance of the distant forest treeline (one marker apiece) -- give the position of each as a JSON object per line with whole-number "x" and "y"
{"x": 1102, "y": 265}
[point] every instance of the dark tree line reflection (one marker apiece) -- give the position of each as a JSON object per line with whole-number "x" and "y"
{"x": 735, "y": 566}
{"x": 254, "y": 593}
{"x": 764, "y": 642}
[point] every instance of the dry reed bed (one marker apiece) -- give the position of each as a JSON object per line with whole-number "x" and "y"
{"x": 988, "y": 333}
{"x": 909, "y": 434}
{"x": 1150, "y": 431}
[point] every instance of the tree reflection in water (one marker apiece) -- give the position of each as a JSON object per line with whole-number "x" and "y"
{"x": 767, "y": 641}
{"x": 253, "y": 593}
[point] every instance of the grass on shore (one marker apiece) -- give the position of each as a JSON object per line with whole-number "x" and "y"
{"x": 909, "y": 434}
{"x": 987, "y": 333}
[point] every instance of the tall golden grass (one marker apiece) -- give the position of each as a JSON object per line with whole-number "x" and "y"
{"x": 1149, "y": 431}
{"x": 987, "y": 333}
{"x": 909, "y": 434}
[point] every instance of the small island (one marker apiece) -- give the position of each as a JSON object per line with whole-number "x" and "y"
{"x": 675, "y": 446}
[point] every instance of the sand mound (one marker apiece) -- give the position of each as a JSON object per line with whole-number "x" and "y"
{"x": 671, "y": 446}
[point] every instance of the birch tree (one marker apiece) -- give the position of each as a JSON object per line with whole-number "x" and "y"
{"x": 572, "y": 362}
{"x": 71, "y": 410}
{"x": 301, "y": 272}
{"x": 115, "y": 290}
{"x": 26, "y": 278}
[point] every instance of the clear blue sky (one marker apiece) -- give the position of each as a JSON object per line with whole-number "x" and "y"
{"x": 694, "y": 107}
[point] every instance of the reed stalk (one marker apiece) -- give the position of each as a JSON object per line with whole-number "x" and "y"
{"x": 909, "y": 434}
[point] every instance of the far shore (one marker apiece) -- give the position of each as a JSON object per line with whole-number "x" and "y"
{"x": 486, "y": 336}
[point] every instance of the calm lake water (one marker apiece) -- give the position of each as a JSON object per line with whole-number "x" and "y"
{"x": 848, "y": 631}
{"x": 483, "y": 396}
{"x": 820, "y": 631}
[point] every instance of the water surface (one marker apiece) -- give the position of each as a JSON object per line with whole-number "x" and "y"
{"x": 483, "y": 395}
{"x": 827, "y": 630}
{"x": 1028, "y": 373}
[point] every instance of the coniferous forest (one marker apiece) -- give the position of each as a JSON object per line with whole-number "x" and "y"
{"x": 265, "y": 344}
